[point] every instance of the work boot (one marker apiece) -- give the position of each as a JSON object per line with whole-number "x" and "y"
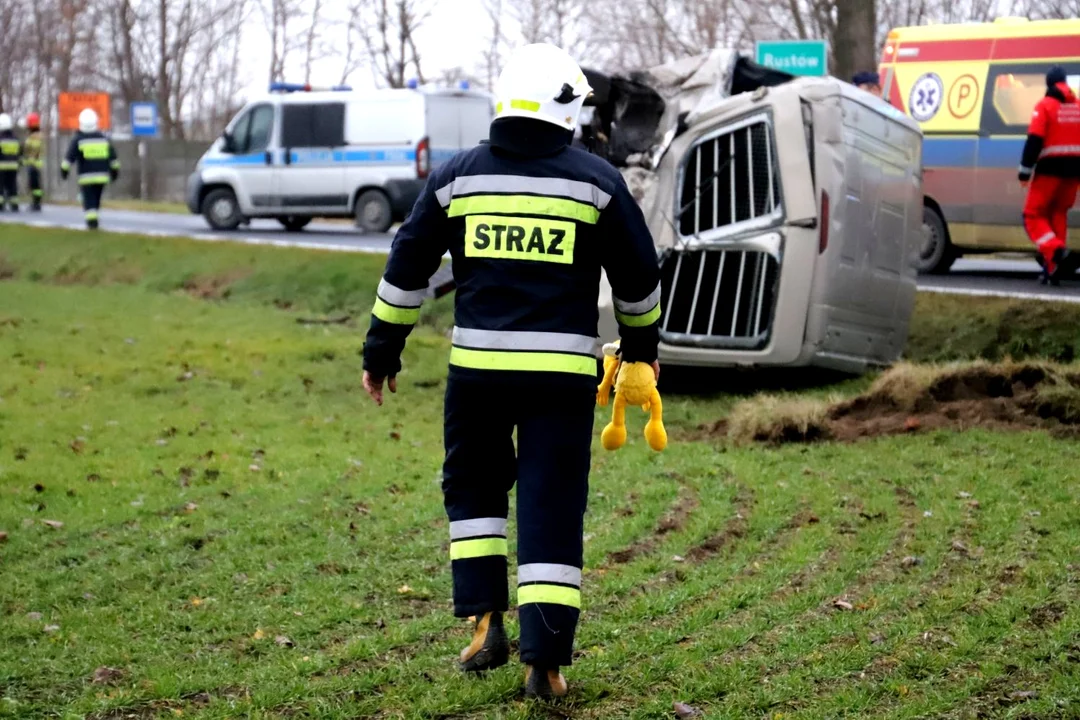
{"x": 489, "y": 648}
{"x": 1067, "y": 261}
{"x": 544, "y": 683}
{"x": 92, "y": 224}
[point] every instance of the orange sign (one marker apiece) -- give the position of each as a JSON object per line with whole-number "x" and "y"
{"x": 70, "y": 104}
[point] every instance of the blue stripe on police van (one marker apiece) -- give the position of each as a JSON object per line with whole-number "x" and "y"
{"x": 252, "y": 159}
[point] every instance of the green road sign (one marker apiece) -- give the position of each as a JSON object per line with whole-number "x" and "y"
{"x": 797, "y": 57}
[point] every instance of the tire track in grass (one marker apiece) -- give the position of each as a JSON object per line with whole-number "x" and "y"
{"x": 914, "y": 596}
{"x": 744, "y": 621}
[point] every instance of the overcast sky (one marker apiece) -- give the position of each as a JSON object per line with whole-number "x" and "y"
{"x": 454, "y": 35}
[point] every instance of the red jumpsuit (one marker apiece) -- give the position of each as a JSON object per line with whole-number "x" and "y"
{"x": 1052, "y": 151}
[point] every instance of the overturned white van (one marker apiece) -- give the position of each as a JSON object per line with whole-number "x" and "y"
{"x": 786, "y": 220}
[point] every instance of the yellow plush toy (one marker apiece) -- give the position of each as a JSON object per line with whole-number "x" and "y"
{"x": 635, "y": 384}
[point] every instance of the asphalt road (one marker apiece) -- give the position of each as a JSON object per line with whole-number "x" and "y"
{"x": 978, "y": 277}
{"x": 341, "y": 236}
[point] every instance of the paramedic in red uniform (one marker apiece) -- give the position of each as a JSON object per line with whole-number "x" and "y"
{"x": 1052, "y": 153}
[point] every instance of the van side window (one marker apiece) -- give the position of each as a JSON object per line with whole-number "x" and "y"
{"x": 313, "y": 125}
{"x": 239, "y": 133}
{"x": 262, "y": 126}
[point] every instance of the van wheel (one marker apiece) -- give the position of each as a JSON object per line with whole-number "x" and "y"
{"x": 294, "y": 223}
{"x": 221, "y": 210}
{"x": 936, "y": 253}
{"x": 373, "y": 212}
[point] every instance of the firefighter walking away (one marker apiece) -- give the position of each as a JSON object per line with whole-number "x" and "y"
{"x": 529, "y": 221}
{"x": 34, "y": 160}
{"x": 10, "y": 157}
{"x": 1052, "y": 154}
{"x": 95, "y": 158}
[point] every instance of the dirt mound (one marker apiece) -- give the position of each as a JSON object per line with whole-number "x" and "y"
{"x": 913, "y": 398}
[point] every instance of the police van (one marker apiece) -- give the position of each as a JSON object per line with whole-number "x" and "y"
{"x": 299, "y": 153}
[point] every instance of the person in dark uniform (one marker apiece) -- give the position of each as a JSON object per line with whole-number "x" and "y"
{"x": 529, "y": 222}
{"x": 97, "y": 164}
{"x": 10, "y": 159}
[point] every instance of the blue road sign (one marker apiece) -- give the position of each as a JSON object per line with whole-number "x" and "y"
{"x": 796, "y": 57}
{"x": 144, "y": 119}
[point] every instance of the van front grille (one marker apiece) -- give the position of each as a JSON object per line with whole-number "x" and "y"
{"x": 729, "y": 179}
{"x": 718, "y": 298}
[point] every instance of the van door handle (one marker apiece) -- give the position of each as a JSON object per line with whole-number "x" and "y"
{"x": 268, "y": 157}
{"x": 288, "y": 156}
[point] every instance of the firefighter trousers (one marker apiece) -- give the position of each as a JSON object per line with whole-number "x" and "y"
{"x": 551, "y": 469}
{"x": 1046, "y": 214}
{"x": 90, "y": 194}
{"x": 9, "y": 189}
{"x": 33, "y": 177}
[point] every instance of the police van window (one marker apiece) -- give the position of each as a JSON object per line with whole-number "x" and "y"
{"x": 262, "y": 125}
{"x": 313, "y": 125}
{"x": 1015, "y": 96}
{"x": 239, "y": 133}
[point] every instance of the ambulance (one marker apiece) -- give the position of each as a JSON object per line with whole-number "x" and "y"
{"x": 972, "y": 89}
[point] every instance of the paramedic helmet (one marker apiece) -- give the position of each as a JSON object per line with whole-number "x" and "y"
{"x": 33, "y": 121}
{"x": 5, "y": 122}
{"x": 88, "y": 121}
{"x": 542, "y": 82}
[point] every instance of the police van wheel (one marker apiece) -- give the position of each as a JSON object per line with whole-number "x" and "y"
{"x": 936, "y": 253}
{"x": 294, "y": 223}
{"x": 221, "y": 210}
{"x": 373, "y": 212}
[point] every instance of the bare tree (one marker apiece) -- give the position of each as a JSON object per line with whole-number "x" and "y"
{"x": 386, "y": 29}
{"x": 492, "y": 55}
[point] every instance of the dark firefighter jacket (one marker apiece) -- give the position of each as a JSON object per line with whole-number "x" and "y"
{"x": 528, "y": 221}
{"x": 10, "y": 151}
{"x": 95, "y": 157}
{"x": 1053, "y": 142}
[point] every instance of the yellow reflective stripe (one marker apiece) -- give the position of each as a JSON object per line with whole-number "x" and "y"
{"x": 9, "y": 166}
{"x": 639, "y": 320}
{"x": 481, "y": 547}
{"x": 523, "y": 205}
{"x": 398, "y": 316}
{"x": 527, "y": 105}
{"x": 527, "y": 361}
{"x": 554, "y": 594}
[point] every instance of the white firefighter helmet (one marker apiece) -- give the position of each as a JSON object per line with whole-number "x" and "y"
{"x": 543, "y": 82}
{"x": 88, "y": 120}
{"x": 5, "y": 122}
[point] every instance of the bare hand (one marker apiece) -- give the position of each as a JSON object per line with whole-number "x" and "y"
{"x": 374, "y": 386}
{"x": 1024, "y": 185}
{"x": 656, "y": 369}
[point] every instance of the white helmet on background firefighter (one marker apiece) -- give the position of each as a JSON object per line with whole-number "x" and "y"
{"x": 88, "y": 121}
{"x": 543, "y": 82}
{"x": 5, "y": 122}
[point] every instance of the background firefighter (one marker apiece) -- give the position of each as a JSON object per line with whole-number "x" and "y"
{"x": 529, "y": 221}
{"x": 34, "y": 160}
{"x": 1052, "y": 152}
{"x": 10, "y": 157}
{"x": 97, "y": 164}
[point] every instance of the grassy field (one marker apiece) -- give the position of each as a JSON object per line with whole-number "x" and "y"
{"x": 204, "y": 517}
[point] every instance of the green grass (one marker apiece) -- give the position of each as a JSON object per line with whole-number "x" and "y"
{"x": 222, "y": 481}
{"x": 953, "y": 327}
